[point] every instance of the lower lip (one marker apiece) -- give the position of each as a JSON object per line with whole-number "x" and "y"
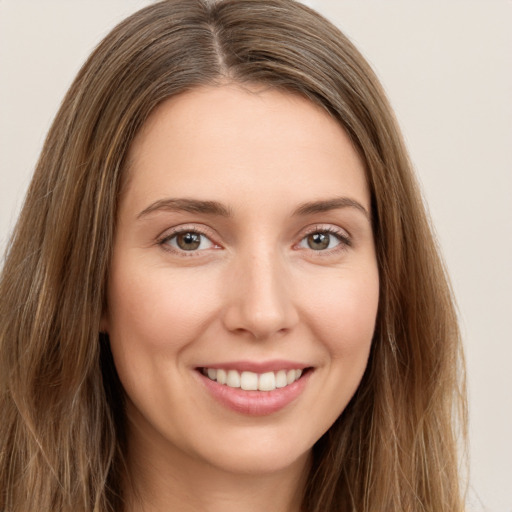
{"x": 256, "y": 403}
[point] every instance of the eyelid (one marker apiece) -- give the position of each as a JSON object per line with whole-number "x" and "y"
{"x": 342, "y": 234}
{"x": 186, "y": 228}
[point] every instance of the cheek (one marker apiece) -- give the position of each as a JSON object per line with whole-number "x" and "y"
{"x": 153, "y": 316}
{"x": 156, "y": 310}
{"x": 343, "y": 313}
{"x": 340, "y": 311}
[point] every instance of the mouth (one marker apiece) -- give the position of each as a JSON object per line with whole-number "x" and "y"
{"x": 255, "y": 393}
{"x": 252, "y": 381}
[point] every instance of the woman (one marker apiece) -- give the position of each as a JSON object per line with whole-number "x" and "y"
{"x": 223, "y": 291}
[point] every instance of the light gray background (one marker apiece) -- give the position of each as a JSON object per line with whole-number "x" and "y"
{"x": 447, "y": 67}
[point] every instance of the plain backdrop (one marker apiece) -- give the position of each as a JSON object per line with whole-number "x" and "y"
{"x": 447, "y": 68}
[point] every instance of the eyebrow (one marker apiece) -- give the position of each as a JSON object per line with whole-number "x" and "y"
{"x": 218, "y": 209}
{"x": 327, "y": 205}
{"x": 187, "y": 205}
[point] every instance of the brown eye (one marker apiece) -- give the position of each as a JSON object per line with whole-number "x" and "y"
{"x": 323, "y": 240}
{"x": 188, "y": 241}
{"x": 318, "y": 241}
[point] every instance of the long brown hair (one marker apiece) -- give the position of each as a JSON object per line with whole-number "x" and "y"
{"x": 61, "y": 434}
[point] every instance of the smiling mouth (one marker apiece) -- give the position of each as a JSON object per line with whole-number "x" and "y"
{"x": 251, "y": 381}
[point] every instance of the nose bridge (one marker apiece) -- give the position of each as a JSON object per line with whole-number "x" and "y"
{"x": 260, "y": 297}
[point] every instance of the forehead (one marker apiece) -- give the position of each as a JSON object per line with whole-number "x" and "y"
{"x": 218, "y": 140}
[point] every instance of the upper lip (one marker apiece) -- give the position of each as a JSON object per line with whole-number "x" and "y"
{"x": 257, "y": 366}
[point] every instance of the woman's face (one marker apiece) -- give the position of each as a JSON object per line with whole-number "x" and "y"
{"x": 244, "y": 252}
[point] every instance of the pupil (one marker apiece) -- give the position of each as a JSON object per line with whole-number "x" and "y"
{"x": 318, "y": 241}
{"x": 189, "y": 241}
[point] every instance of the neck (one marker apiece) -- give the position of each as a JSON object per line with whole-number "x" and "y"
{"x": 169, "y": 479}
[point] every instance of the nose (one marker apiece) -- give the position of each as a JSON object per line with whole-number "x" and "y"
{"x": 260, "y": 299}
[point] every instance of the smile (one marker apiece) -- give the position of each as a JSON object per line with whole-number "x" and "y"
{"x": 255, "y": 389}
{"x": 251, "y": 381}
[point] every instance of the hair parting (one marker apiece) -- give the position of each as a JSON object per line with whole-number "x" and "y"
{"x": 394, "y": 448}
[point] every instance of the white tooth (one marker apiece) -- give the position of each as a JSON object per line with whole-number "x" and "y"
{"x": 281, "y": 380}
{"x": 267, "y": 381}
{"x": 249, "y": 381}
{"x": 233, "y": 379}
{"x": 212, "y": 373}
{"x": 290, "y": 376}
{"x": 298, "y": 373}
{"x": 221, "y": 376}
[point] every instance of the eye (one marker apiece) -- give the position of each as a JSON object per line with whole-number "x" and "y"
{"x": 323, "y": 240}
{"x": 188, "y": 241}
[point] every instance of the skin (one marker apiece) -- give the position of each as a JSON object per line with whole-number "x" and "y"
{"x": 254, "y": 290}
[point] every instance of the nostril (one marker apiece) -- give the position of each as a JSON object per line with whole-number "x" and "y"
{"x": 259, "y": 306}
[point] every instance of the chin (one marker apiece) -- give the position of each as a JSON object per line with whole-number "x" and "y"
{"x": 258, "y": 460}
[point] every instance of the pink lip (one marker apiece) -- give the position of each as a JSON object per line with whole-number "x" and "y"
{"x": 258, "y": 367}
{"x": 255, "y": 403}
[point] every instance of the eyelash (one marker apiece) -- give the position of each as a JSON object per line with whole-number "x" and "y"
{"x": 163, "y": 241}
{"x": 343, "y": 239}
